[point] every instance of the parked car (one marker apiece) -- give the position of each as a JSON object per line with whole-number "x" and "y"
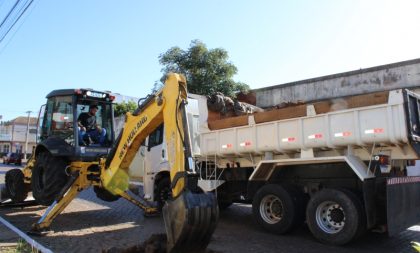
{"x": 15, "y": 158}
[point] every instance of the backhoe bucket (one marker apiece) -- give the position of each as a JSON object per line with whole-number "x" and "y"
{"x": 190, "y": 220}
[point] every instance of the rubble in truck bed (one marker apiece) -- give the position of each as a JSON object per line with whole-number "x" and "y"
{"x": 225, "y": 112}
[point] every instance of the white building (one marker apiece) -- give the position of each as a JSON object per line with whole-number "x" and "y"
{"x": 13, "y": 135}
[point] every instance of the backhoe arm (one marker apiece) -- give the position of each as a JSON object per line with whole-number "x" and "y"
{"x": 191, "y": 216}
{"x": 163, "y": 107}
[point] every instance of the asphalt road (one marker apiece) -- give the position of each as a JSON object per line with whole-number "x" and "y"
{"x": 90, "y": 225}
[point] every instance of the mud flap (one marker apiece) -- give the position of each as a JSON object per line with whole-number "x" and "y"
{"x": 403, "y": 203}
{"x": 190, "y": 221}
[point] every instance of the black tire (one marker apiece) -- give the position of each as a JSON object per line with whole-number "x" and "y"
{"x": 301, "y": 200}
{"x": 15, "y": 185}
{"x": 48, "y": 177}
{"x": 335, "y": 216}
{"x": 276, "y": 209}
{"x": 105, "y": 195}
{"x": 163, "y": 192}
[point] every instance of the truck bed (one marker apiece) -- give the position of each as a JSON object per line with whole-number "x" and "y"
{"x": 364, "y": 120}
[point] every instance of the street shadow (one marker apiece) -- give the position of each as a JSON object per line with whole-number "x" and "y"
{"x": 78, "y": 220}
{"x": 238, "y": 222}
{"x": 120, "y": 224}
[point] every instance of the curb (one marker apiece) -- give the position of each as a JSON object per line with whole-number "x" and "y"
{"x": 24, "y": 236}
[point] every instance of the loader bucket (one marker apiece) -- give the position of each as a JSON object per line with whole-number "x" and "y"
{"x": 190, "y": 220}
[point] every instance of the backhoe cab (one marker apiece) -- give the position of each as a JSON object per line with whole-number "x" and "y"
{"x": 61, "y": 140}
{"x": 60, "y": 126}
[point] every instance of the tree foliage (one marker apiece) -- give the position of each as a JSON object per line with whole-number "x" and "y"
{"x": 124, "y": 107}
{"x": 207, "y": 70}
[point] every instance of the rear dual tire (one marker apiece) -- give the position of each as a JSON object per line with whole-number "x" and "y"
{"x": 335, "y": 216}
{"x": 278, "y": 209}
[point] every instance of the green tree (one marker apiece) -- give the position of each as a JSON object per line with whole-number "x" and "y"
{"x": 124, "y": 107}
{"x": 207, "y": 70}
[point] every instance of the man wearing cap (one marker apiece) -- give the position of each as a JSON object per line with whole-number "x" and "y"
{"x": 89, "y": 131}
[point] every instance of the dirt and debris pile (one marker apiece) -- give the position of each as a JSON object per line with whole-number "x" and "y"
{"x": 155, "y": 244}
{"x": 224, "y": 114}
{"x": 229, "y": 107}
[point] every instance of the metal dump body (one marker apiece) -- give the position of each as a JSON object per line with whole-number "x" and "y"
{"x": 384, "y": 124}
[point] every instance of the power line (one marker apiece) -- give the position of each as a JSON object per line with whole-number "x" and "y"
{"x": 8, "y": 14}
{"x": 17, "y": 29}
{"x": 17, "y": 19}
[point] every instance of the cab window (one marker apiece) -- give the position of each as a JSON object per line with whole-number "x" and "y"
{"x": 156, "y": 137}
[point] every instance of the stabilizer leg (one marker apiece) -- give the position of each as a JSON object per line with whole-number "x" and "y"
{"x": 67, "y": 194}
{"x": 148, "y": 210}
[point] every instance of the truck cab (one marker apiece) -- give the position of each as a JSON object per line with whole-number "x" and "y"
{"x": 149, "y": 170}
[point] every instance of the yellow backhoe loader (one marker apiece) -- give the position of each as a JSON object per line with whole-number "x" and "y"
{"x": 60, "y": 167}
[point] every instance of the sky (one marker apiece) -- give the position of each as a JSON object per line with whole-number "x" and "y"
{"x": 115, "y": 45}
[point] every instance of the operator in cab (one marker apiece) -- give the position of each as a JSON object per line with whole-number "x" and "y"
{"x": 89, "y": 131}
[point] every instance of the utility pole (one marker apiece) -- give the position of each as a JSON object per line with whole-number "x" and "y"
{"x": 27, "y": 133}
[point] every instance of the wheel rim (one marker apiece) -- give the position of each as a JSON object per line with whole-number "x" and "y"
{"x": 330, "y": 217}
{"x": 271, "y": 209}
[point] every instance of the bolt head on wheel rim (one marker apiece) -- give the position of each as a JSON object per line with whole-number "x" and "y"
{"x": 271, "y": 209}
{"x": 330, "y": 217}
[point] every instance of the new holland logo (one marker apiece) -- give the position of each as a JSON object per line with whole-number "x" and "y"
{"x": 131, "y": 136}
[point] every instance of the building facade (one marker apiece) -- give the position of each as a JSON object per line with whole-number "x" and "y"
{"x": 13, "y": 135}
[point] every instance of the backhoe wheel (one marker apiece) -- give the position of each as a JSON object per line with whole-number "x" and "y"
{"x": 276, "y": 208}
{"x": 335, "y": 216}
{"x": 15, "y": 186}
{"x": 163, "y": 192}
{"x": 105, "y": 195}
{"x": 48, "y": 177}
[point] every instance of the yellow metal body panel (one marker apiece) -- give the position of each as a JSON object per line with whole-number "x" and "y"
{"x": 164, "y": 108}
{"x": 27, "y": 170}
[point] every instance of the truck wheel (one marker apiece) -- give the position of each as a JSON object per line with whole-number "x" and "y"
{"x": 48, "y": 178}
{"x": 335, "y": 216}
{"x": 15, "y": 185}
{"x": 163, "y": 192}
{"x": 105, "y": 195}
{"x": 275, "y": 208}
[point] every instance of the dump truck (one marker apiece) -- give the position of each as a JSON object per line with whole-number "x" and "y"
{"x": 338, "y": 165}
{"x": 67, "y": 162}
